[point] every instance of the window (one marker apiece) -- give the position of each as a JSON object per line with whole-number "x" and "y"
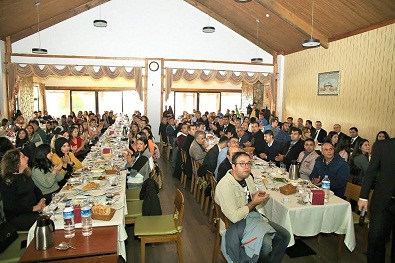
{"x": 131, "y": 102}
{"x": 58, "y": 102}
{"x": 83, "y": 101}
{"x": 209, "y": 102}
{"x": 229, "y": 100}
{"x": 110, "y": 100}
{"x": 184, "y": 101}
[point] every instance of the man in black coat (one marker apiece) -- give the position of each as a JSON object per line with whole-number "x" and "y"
{"x": 226, "y": 164}
{"x": 272, "y": 148}
{"x": 320, "y": 134}
{"x": 382, "y": 207}
{"x": 210, "y": 161}
{"x": 292, "y": 149}
{"x": 256, "y": 139}
{"x": 355, "y": 139}
{"x": 342, "y": 136}
{"x": 228, "y": 129}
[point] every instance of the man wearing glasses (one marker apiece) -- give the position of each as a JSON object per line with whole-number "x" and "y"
{"x": 238, "y": 197}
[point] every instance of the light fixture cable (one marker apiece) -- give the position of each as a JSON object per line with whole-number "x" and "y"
{"x": 257, "y": 37}
{"x": 312, "y": 19}
{"x": 38, "y": 23}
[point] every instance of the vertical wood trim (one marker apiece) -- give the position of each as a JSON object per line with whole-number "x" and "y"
{"x": 7, "y": 59}
{"x": 162, "y": 85}
{"x": 145, "y": 88}
{"x": 275, "y": 83}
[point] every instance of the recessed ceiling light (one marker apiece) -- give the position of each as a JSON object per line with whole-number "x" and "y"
{"x": 267, "y": 15}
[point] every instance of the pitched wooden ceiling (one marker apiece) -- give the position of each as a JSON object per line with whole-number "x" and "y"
{"x": 288, "y": 23}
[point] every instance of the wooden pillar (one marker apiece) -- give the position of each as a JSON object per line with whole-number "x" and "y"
{"x": 162, "y": 86}
{"x": 9, "y": 111}
{"x": 145, "y": 88}
{"x": 274, "y": 83}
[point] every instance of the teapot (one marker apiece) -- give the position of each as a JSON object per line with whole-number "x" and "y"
{"x": 294, "y": 170}
{"x": 44, "y": 233}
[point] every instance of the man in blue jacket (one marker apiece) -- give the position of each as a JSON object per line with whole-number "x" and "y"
{"x": 334, "y": 166}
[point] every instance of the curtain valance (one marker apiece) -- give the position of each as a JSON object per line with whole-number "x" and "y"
{"x": 95, "y": 72}
{"x": 214, "y": 75}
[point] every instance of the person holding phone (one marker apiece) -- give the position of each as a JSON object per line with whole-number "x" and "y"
{"x": 238, "y": 198}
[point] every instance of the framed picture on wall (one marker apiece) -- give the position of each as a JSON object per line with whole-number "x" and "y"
{"x": 329, "y": 83}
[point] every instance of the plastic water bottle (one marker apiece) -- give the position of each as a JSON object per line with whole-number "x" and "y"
{"x": 86, "y": 215}
{"x": 68, "y": 219}
{"x": 326, "y": 186}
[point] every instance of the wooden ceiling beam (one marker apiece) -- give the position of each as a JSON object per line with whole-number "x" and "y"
{"x": 231, "y": 25}
{"x": 56, "y": 19}
{"x": 298, "y": 23}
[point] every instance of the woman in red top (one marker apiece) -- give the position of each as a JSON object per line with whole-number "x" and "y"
{"x": 76, "y": 143}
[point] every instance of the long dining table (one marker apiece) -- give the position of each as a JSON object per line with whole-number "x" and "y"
{"x": 94, "y": 170}
{"x": 300, "y": 219}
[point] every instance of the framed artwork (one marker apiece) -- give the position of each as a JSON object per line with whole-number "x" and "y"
{"x": 329, "y": 83}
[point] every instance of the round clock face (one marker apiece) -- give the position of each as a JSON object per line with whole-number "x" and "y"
{"x": 153, "y": 66}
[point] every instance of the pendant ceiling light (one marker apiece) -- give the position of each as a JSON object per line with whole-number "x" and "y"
{"x": 208, "y": 28}
{"x": 311, "y": 42}
{"x": 100, "y": 22}
{"x": 257, "y": 59}
{"x": 38, "y": 50}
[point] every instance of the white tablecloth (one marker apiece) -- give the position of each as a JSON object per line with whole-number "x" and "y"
{"x": 309, "y": 220}
{"x": 117, "y": 220}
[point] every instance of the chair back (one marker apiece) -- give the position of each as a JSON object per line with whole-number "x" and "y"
{"x": 195, "y": 166}
{"x": 213, "y": 183}
{"x": 221, "y": 215}
{"x": 352, "y": 192}
{"x": 183, "y": 156}
{"x": 179, "y": 209}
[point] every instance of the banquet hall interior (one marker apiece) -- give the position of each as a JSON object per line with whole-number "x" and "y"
{"x": 328, "y": 61}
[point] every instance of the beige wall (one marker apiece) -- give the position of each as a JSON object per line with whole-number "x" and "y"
{"x": 367, "y": 83}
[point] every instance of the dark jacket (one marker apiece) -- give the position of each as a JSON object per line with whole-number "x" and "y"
{"x": 149, "y": 195}
{"x": 223, "y": 168}
{"x": 272, "y": 151}
{"x": 230, "y": 128}
{"x": 293, "y": 153}
{"x": 163, "y": 132}
{"x": 321, "y": 136}
{"x": 337, "y": 170}
{"x": 211, "y": 158}
{"x": 258, "y": 142}
{"x": 382, "y": 162}
{"x": 243, "y": 139}
{"x": 187, "y": 168}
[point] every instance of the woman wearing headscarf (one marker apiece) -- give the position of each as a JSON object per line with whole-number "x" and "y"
{"x": 44, "y": 174}
{"x": 22, "y": 199}
{"x": 63, "y": 155}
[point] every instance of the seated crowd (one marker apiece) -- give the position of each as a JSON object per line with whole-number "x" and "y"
{"x": 342, "y": 157}
{"x": 41, "y": 161}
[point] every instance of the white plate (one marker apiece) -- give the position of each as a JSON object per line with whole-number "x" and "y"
{"x": 117, "y": 205}
{"x": 96, "y": 192}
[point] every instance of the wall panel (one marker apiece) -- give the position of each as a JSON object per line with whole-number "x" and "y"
{"x": 367, "y": 83}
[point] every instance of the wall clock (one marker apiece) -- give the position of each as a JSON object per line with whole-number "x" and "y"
{"x": 153, "y": 66}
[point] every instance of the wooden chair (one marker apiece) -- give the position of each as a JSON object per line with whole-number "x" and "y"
{"x": 134, "y": 211}
{"x": 162, "y": 144}
{"x": 168, "y": 148}
{"x": 211, "y": 199}
{"x": 195, "y": 178}
{"x": 164, "y": 228}
{"x": 219, "y": 216}
{"x": 183, "y": 174}
{"x": 14, "y": 251}
{"x": 203, "y": 198}
{"x": 352, "y": 193}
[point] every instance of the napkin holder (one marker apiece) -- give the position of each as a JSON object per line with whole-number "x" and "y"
{"x": 287, "y": 189}
{"x": 317, "y": 197}
{"x": 106, "y": 150}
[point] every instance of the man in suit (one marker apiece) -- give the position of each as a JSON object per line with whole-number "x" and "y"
{"x": 307, "y": 159}
{"x": 283, "y": 135}
{"x": 382, "y": 207}
{"x": 309, "y": 124}
{"x": 228, "y": 129}
{"x": 210, "y": 161}
{"x": 242, "y": 136}
{"x": 226, "y": 164}
{"x": 272, "y": 148}
{"x": 198, "y": 147}
{"x": 256, "y": 139}
{"x": 320, "y": 134}
{"x": 171, "y": 130}
{"x": 187, "y": 144}
{"x": 354, "y": 137}
{"x": 292, "y": 149}
{"x": 342, "y": 136}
